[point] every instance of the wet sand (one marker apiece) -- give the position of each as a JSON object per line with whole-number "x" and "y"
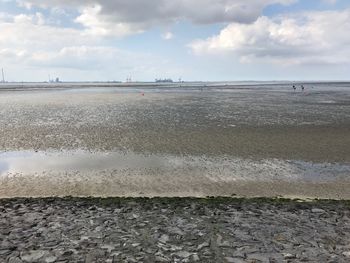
{"x": 81, "y": 173}
{"x": 256, "y": 124}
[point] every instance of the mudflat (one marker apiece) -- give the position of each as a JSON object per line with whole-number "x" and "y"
{"x": 261, "y": 139}
{"x": 250, "y": 121}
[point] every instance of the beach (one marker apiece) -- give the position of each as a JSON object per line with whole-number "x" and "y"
{"x": 174, "y": 131}
{"x": 261, "y": 139}
{"x": 242, "y": 172}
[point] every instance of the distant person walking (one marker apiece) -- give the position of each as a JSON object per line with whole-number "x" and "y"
{"x": 294, "y": 87}
{"x": 302, "y": 87}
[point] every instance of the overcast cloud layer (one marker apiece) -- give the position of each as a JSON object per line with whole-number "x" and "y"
{"x": 113, "y": 39}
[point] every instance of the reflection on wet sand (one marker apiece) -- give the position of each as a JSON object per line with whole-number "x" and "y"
{"x": 80, "y": 173}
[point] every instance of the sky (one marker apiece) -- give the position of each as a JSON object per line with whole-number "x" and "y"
{"x": 195, "y": 40}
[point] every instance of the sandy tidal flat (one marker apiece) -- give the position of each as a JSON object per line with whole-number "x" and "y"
{"x": 246, "y": 140}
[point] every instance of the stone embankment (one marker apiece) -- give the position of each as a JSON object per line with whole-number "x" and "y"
{"x": 173, "y": 230}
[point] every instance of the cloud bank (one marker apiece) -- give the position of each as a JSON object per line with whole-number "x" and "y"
{"x": 124, "y": 17}
{"x": 305, "y": 38}
{"x": 28, "y": 43}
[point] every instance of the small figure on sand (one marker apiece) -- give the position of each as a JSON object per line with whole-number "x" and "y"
{"x": 302, "y": 87}
{"x": 294, "y": 87}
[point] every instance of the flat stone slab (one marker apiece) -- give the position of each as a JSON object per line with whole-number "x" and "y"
{"x": 173, "y": 230}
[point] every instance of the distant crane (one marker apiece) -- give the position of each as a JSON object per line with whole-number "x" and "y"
{"x": 3, "y": 75}
{"x": 128, "y": 79}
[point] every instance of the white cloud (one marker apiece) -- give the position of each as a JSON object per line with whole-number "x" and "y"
{"x": 97, "y": 26}
{"x": 37, "y": 18}
{"x": 30, "y": 49}
{"x": 314, "y": 37}
{"x": 31, "y": 32}
{"x": 10, "y": 54}
{"x": 124, "y": 17}
{"x": 87, "y": 58}
{"x": 330, "y": 2}
{"x": 167, "y": 35}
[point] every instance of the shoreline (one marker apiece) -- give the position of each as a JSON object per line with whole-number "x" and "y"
{"x": 112, "y": 200}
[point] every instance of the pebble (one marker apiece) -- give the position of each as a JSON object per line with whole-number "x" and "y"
{"x": 195, "y": 258}
{"x": 288, "y": 256}
{"x": 200, "y": 246}
{"x": 50, "y": 259}
{"x": 161, "y": 259}
{"x": 183, "y": 254}
{"x": 109, "y": 248}
{"x": 317, "y": 210}
{"x": 346, "y": 254}
{"x": 164, "y": 238}
{"x": 33, "y": 256}
{"x": 15, "y": 260}
{"x": 234, "y": 260}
